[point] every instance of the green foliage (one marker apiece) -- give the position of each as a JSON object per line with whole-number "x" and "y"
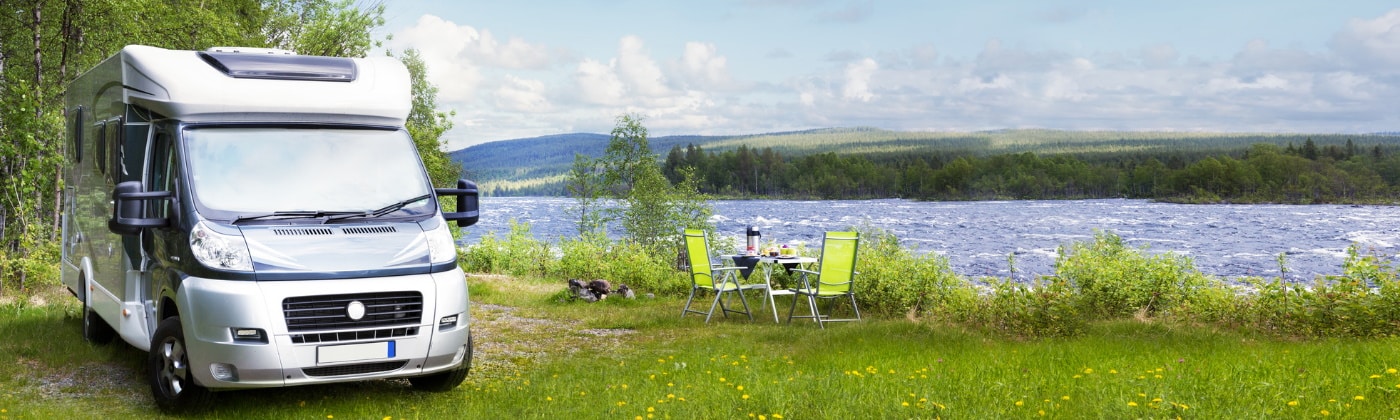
{"x": 518, "y": 254}
{"x": 893, "y": 280}
{"x": 337, "y": 28}
{"x": 1048, "y": 308}
{"x": 1116, "y": 281}
{"x": 585, "y": 185}
{"x": 426, "y": 124}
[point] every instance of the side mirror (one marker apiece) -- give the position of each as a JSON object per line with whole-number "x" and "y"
{"x": 468, "y": 205}
{"x": 128, "y": 209}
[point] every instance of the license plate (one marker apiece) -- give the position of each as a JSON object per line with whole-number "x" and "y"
{"x": 355, "y": 352}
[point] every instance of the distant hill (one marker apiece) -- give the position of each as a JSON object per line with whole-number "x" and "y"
{"x": 538, "y": 165}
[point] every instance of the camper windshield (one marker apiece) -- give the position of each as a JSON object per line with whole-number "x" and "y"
{"x": 251, "y": 173}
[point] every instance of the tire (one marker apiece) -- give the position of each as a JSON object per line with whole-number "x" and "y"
{"x": 168, "y": 371}
{"x": 95, "y": 329}
{"x": 446, "y": 381}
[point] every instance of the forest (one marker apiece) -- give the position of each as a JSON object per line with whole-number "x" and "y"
{"x": 1260, "y": 173}
{"x": 46, "y": 44}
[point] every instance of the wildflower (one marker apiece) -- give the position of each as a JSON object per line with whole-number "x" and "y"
{"x": 1113, "y": 371}
{"x": 1020, "y": 403}
{"x": 1375, "y": 376}
{"x": 1088, "y": 371}
{"x": 651, "y": 409}
{"x": 670, "y": 396}
{"x": 1391, "y": 371}
{"x": 1078, "y": 376}
{"x": 906, "y": 404}
{"x": 549, "y": 398}
{"x": 777, "y": 416}
{"x": 741, "y": 387}
{"x": 762, "y": 417}
{"x": 621, "y": 403}
{"x": 660, "y": 360}
{"x": 1324, "y": 412}
{"x": 1042, "y": 413}
{"x": 1132, "y": 403}
{"x": 1360, "y": 398}
{"x": 1293, "y": 403}
{"x": 746, "y": 396}
{"x": 1066, "y": 398}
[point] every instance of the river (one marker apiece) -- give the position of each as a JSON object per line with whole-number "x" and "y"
{"x": 977, "y": 237}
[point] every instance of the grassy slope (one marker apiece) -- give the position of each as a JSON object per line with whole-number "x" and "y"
{"x": 533, "y": 161}
{"x": 537, "y": 358}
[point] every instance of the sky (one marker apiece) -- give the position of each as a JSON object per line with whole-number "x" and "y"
{"x": 719, "y": 67}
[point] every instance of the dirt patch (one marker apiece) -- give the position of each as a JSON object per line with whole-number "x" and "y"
{"x": 506, "y": 342}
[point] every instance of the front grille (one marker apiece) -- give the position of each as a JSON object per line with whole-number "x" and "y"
{"x": 302, "y": 232}
{"x": 359, "y": 369}
{"x": 328, "y": 312}
{"x": 332, "y": 337}
{"x": 371, "y": 229}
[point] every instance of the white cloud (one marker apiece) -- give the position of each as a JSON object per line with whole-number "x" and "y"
{"x": 858, "y": 80}
{"x": 440, "y": 44}
{"x": 523, "y": 95}
{"x": 637, "y": 70}
{"x": 1373, "y": 42}
{"x": 598, "y": 83}
{"x": 701, "y": 67}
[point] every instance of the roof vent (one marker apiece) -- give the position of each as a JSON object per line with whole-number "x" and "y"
{"x": 264, "y": 63}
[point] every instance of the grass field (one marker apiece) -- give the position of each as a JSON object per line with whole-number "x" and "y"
{"x": 540, "y": 358}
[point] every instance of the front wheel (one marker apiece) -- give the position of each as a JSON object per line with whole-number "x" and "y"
{"x": 168, "y": 370}
{"x": 446, "y": 381}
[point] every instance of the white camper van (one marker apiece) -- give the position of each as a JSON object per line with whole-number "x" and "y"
{"x": 255, "y": 218}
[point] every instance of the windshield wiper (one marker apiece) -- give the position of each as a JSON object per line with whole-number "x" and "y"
{"x": 297, "y": 214}
{"x": 382, "y": 210}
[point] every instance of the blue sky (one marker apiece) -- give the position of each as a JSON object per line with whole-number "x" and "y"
{"x": 532, "y": 68}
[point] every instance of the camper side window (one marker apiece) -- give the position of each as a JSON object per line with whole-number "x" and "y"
{"x": 162, "y": 168}
{"x": 77, "y": 135}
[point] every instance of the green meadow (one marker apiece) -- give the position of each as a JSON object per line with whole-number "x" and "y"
{"x": 538, "y": 356}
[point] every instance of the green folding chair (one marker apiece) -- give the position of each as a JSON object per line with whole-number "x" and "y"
{"x": 834, "y": 280}
{"x": 703, "y": 277}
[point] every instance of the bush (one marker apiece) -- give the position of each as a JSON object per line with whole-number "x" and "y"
{"x": 1049, "y": 308}
{"x": 621, "y": 262}
{"x": 1116, "y": 281}
{"x": 519, "y": 254}
{"x": 894, "y": 281}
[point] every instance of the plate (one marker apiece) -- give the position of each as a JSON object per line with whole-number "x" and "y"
{"x": 787, "y": 257}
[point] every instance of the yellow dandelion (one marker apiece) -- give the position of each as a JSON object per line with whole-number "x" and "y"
{"x": 1391, "y": 371}
{"x": 670, "y": 396}
{"x": 1324, "y": 412}
{"x": 330, "y": 416}
{"x": 721, "y": 379}
{"x": 549, "y": 398}
{"x": 1020, "y": 403}
{"x": 1042, "y": 413}
{"x": 1088, "y": 371}
{"x": 906, "y": 404}
{"x": 651, "y": 416}
{"x": 1113, "y": 371}
{"x": 680, "y": 399}
{"x": 777, "y": 416}
{"x": 1359, "y": 398}
{"x": 651, "y": 409}
{"x": 638, "y": 417}
{"x": 660, "y": 360}
{"x": 746, "y": 396}
{"x": 1157, "y": 400}
{"x": 1078, "y": 376}
{"x": 762, "y": 417}
{"x": 1375, "y": 376}
{"x": 1132, "y": 403}
{"x": 1157, "y": 376}
{"x": 1066, "y": 398}
{"x": 1144, "y": 395}
{"x": 1293, "y": 403}
{"x": 740, "y": 387}
{"x": 621, "y": 403}
{"x": 670, "y": 384}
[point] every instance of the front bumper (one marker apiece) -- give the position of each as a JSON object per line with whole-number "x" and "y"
{"x": 211, "y": 310}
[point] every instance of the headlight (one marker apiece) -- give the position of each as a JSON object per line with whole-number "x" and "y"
{"x": 441, "y": 248}
{"x": 217, "y": 250}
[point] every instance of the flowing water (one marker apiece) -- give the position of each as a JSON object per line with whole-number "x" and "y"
{"x": 978, "y": 237}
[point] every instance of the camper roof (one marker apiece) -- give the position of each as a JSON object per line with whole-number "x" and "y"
{"x": 257, "y": 86}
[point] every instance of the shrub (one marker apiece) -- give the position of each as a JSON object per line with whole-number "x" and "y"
{"x": 519, "y": 254}
{"x": 1049, "y": 308}
{"x": 1116, "y": 281}
{"x": 892, "y": 280}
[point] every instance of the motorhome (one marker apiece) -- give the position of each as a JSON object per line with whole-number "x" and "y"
{"x": 255, "y": 218}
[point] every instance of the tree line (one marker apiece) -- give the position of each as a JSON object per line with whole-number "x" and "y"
{"x": 1260, "y": 173}
{"x": 46, "y": 44}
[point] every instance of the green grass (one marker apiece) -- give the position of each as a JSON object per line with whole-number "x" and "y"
{"x": 541, "y": 358}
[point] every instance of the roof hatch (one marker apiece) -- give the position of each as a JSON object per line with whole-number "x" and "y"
{"x": 279, "y": 65}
